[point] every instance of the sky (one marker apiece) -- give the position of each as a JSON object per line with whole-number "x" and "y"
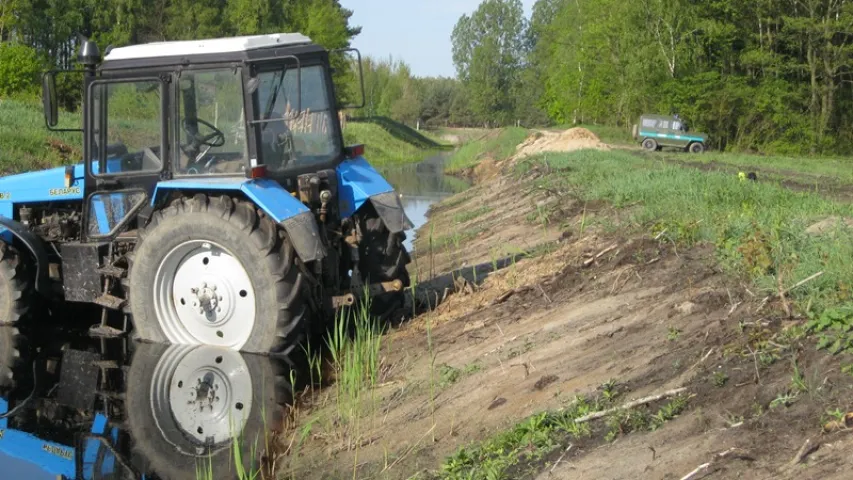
{"x": 415, "y": 31}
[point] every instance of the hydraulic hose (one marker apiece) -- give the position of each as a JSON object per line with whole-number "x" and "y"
{"x": 20, "y": 406}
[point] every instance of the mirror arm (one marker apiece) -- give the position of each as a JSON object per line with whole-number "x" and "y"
{"x": 360, "y": 77}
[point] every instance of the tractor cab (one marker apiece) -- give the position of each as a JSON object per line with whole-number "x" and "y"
{"x": 220, "y": 107}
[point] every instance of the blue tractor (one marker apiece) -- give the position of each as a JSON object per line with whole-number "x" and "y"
{"x": 216, "y": 203}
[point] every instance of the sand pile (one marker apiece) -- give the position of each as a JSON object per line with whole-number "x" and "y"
{"x": 568, "y": 141}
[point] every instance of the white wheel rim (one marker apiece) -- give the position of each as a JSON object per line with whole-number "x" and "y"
{"x": 203, "y": 295}
{"x": 206, "y": 391}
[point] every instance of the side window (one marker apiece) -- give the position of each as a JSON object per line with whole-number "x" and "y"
{"x": 676, "y": 125}
{"x": 649, "y": 123}
{"x": 211, "y": 136}
{"x": 128, "y": 131}
{"x": 663, "y": 125}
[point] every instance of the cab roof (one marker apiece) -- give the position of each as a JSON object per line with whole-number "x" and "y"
{"x": 188, "y": 48}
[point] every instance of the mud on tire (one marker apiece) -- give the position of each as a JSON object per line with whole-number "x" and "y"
{"x": 382, "y": 258}
{"x": 16, "y": 286}
{"x": 11, "y": 342}
{"x": 263, "y": 250}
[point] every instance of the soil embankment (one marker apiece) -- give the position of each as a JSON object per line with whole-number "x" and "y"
{"x": 589, "y": 312}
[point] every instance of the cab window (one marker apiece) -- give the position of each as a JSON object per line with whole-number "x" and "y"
{"x": 211, "y": 132}
{"x": 295, "y": 130}
{"x": 127, "y": 130}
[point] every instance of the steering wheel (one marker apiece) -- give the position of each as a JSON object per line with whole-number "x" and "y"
{"x": 204, "y": 140}
{"x": 213, "y": 139}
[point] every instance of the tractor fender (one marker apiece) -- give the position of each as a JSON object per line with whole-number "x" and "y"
{"x": 268, "y": 195}
{"x": 390, "y": 210}
{"x": 36, "y": 247}
{"x": 359, "y": 183}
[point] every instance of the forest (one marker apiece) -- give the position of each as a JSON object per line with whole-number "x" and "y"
{"x": 770, "y": 76}
{"x": 763, "y": 75}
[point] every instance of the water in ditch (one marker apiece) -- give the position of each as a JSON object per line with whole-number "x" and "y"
{"x": 422, "y": 185}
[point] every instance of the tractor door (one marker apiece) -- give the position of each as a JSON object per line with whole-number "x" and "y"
{"x": 127, "y": 151}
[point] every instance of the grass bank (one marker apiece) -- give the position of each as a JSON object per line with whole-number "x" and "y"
{"x": 759, "y": 229}
{"x": 832, "y": 169}
{"x": 25, "y": 142}
{"x": 390, "y": 143}
{"x": 497, "y": 144}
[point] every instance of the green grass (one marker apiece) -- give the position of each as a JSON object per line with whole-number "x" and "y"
{"x": 521, "y": 451}
{"x": 840, "y": 169}
{"x": 758, "y": 228}
{"x": 404, "y": 133}
{"x": 354, "y": 347}
{"x": 25, "y": 142}
{"x": 498, "y": 145}
{"x": 471, "y": 215}
{"x": 390, "y": 143}
{"x": 381, "y": 147}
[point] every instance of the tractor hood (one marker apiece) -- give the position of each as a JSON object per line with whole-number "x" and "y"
{"x": 42, "y": 186}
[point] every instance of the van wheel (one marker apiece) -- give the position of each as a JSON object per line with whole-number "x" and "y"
{"x": 650, "y": 144}
{"x": 697, "y": 147}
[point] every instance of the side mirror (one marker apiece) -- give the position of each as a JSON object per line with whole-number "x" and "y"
{"x": 48, "y": 99}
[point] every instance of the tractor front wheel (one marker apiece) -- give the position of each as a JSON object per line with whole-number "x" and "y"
{"x": 213, "y": 271}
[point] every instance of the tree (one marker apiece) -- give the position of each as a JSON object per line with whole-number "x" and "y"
{"x": 488, "y": 53}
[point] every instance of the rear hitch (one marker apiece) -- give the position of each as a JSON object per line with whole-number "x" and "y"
{"x": 372, "y": 290}
{"x": 341, "y": 301}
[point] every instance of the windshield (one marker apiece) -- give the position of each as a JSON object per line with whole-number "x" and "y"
{"x": 290, "y": 137}
{"x": 212, "y": 134}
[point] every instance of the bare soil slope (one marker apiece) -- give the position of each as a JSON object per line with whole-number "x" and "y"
{"x": 590, "y": 307}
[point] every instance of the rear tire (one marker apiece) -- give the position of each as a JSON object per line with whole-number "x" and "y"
{"x": 10, "y": 356}
{"x": 650, "y": 144}
{"x": 697, "y": 147}
{"x": 16, "y": 288}
{"x": 383, "y": 258}
{"x": 212, "y": 271}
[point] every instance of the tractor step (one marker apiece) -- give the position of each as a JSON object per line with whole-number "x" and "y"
{"x": 113, "y": 271}
{"x": 110, "y": 301}
{"x": 107, "y": 364}
{"x": 104, "y": 331}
